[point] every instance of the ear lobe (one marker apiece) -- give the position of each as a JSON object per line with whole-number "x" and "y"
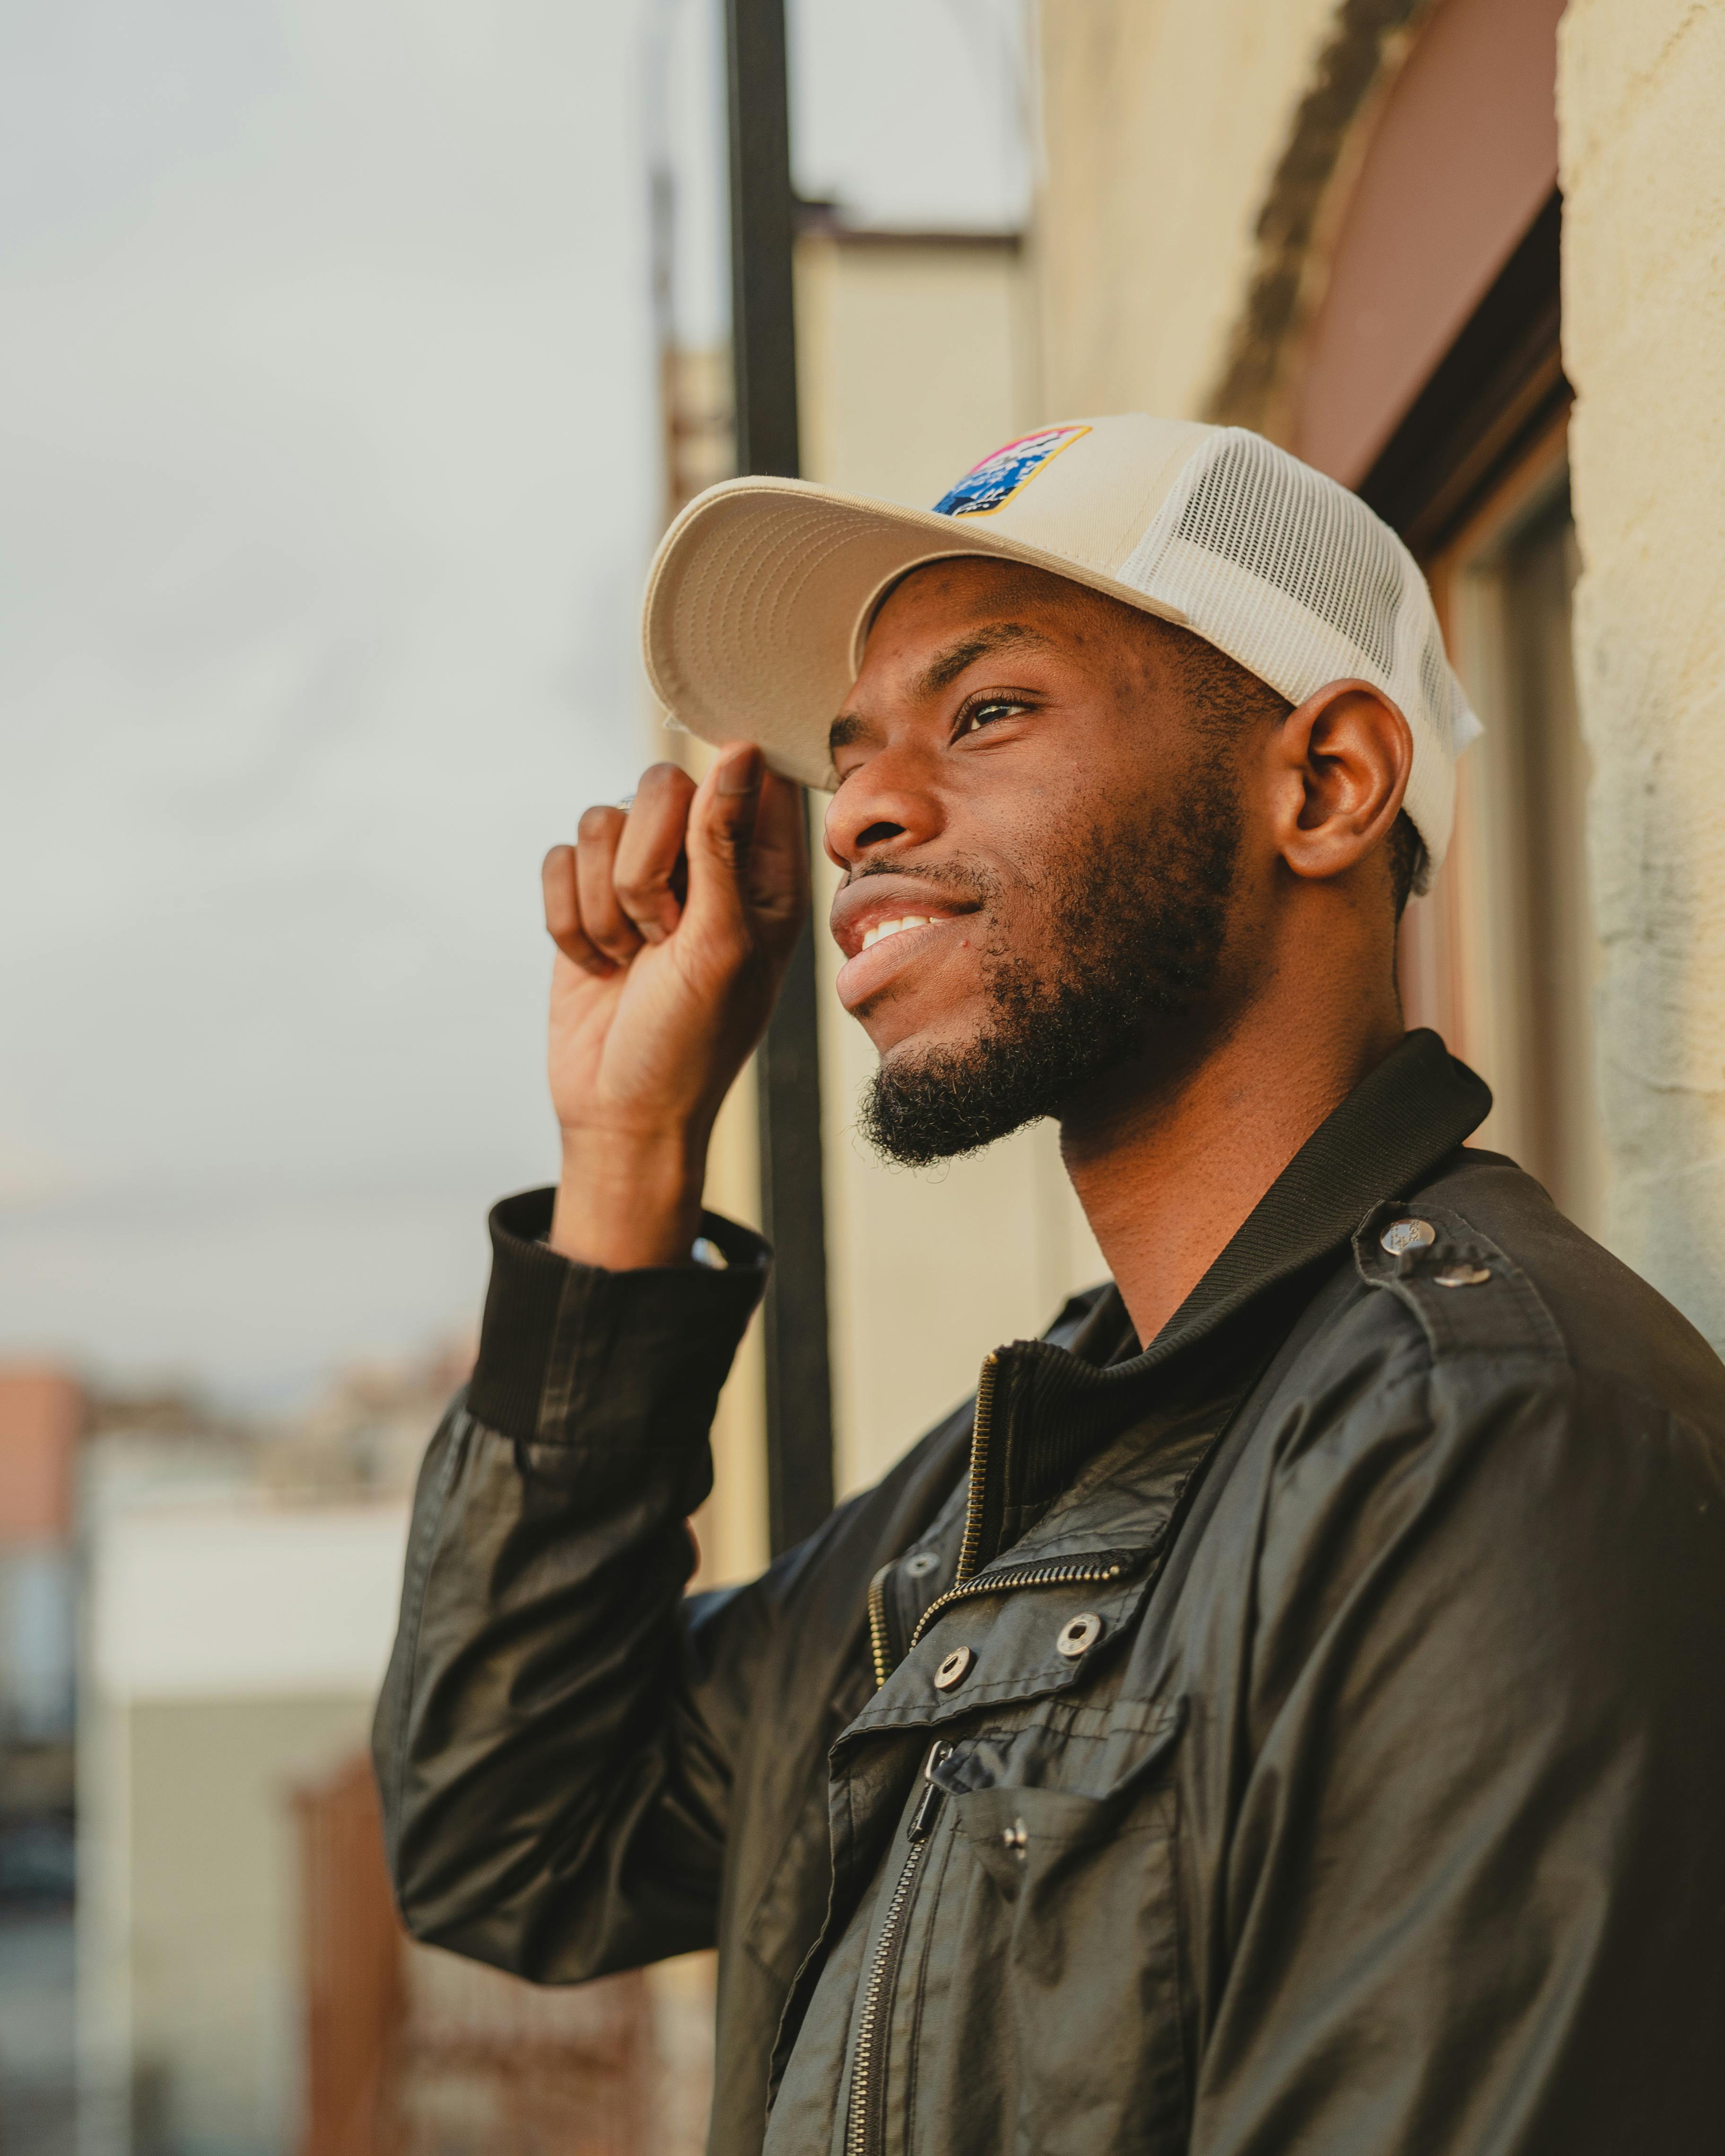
{"x": 1347, "y": 752}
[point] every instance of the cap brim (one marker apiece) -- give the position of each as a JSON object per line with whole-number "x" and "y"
{"x": 760, "y": 595}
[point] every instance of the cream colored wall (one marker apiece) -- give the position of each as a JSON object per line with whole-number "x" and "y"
{"x": 914, "y": 356}
{"x": 1163, "y": 122}
{"x": 213, "y": 1936}
{"x": 731, "y": 1526}
{"x": 1640, "y": 88}
{"x": 912, "y": 361}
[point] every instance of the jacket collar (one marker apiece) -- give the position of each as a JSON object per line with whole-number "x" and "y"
{"x": 1043, "y": 1409}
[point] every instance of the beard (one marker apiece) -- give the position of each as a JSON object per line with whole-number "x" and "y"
{"x": 1139, "y": 926}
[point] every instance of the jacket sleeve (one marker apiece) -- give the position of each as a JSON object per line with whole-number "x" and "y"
{"x": 554, "y": 1739}
{"x": 1474, "y": 1902}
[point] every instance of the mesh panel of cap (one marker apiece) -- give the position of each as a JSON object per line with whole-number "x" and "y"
{"x": 1295, "y": 578}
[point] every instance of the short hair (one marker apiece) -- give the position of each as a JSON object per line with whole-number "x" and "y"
{"x": 1223, "y": 695}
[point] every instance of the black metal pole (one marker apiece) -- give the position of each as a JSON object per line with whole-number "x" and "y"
{"x": 763, "y": 345}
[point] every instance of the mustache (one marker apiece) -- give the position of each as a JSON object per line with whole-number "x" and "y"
{"x": 976, "y": 883}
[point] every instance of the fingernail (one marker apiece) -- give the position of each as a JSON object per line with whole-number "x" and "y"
{"x": 740, "y": 773}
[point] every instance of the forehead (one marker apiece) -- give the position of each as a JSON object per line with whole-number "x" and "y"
{"x": 933, "y": 606}
{"x": 939, "y": 620}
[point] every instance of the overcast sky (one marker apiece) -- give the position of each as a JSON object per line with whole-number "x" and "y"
{"x": 326, "y": 482}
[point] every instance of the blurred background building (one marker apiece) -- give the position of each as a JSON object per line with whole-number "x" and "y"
{"x": 358, "y": 355}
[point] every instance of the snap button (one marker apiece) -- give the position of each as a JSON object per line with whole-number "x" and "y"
{"x": 1078, "y": 1636}
{"x": 1463, "y": 1277}
{"x": 954, "y": 1669}
{"x": 1016, "y": 1838}
{"x": 920, "y": 1566}
{"x": 1407, "y": 1235}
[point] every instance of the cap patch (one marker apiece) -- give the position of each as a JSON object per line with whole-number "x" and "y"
{"x": 992, "y": 484}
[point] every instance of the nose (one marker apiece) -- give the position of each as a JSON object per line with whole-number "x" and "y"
{"x": 886, "y": 806}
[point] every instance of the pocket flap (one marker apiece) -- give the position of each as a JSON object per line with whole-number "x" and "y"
{"x": 1091, "y": 1752}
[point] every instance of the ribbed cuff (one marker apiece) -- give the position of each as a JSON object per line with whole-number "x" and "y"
{"x": 571, "y": 1352}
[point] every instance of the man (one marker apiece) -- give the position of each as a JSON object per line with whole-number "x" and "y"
{"x": 1282, "y": 1711}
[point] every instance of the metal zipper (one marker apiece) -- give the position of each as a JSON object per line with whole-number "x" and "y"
{"x": 859, "y": 2139}
{"x": 880, "y": 1646}
{"x": 880, "y": 1657}
{"x": 1029, "y": 1575}
{"x": 982, "y": 1430}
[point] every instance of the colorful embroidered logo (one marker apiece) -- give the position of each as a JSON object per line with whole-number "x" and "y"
{"x": 993, "y": 483}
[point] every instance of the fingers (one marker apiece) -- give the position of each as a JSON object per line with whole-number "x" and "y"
{"x": 735, "y": 846}
{"x": 649, "y": 868}
{"x": 749, "y": 849}
{"x": 721, "y": 824}
{"x": 603, "y": 919}
{"x": 562, "y": 913}
{"x": 777, "y": 875}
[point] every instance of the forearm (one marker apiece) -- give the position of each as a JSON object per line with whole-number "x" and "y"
{"x": 553, "y": 1769}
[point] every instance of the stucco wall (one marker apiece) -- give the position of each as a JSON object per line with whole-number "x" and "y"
{"x": 1640, "y": 89}
{"x": 1163, "y": 123}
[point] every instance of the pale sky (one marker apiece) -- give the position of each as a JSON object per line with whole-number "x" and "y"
{"x": 326, "y": 483}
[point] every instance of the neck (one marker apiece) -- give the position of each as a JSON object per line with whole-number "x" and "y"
{"x": 1168, "y": 1158}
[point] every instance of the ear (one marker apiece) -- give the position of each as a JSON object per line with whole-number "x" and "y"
{"x": 1341, "y": 764}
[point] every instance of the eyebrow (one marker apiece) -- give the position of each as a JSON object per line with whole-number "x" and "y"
{"x": 942, "y": 671}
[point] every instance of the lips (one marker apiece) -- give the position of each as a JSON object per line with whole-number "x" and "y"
{"x": 890, "y": 951}
{"x": 885, "y": 922}
{"x": 874, "y": 909}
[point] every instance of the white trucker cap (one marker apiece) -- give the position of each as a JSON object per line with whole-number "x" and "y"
{"x": 762, "y": 592}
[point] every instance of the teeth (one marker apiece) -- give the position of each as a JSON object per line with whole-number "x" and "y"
{"x": 884, "y": 928}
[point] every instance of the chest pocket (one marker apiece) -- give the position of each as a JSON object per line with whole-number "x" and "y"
{"x": 1048, "y": 2022}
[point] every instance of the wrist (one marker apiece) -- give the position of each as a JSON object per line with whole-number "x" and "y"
{"x": 629, "y": 1200}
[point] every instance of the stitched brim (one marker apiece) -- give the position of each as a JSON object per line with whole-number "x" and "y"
{"x": 761, "y": 591}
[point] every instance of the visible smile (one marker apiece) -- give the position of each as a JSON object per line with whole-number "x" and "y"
{"x": 887, "y": 949}
{"x": 885, "y": 923}
{"x": 882, "y": 929}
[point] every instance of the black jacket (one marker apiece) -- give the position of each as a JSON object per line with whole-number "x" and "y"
{"x": 1306, "y": 1734}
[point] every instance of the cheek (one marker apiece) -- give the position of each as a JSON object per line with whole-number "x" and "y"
{"x": 1058, "y": 834}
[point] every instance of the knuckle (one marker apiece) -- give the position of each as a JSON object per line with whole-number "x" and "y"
{"x": 643, "y": 887}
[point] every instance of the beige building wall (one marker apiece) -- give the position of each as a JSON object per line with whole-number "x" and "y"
{"x": 213, "y": 1936}
{"x": 1641, "y": 84}
{"x": 232, "y": 1648}
{"x": 1163, "y": 121}
{"x": 731, "y": 1528}
{"x": 915, "y": 361}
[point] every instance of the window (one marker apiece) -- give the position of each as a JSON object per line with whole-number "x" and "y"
{"x": 1501, "y": 956}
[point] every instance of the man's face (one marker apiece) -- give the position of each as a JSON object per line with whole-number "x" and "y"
{"x": 1022, "y": 780}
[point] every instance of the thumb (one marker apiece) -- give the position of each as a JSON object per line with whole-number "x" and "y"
{"x": 721, "y": 831}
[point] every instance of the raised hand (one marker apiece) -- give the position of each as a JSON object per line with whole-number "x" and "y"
{"x": 674, "y": 924}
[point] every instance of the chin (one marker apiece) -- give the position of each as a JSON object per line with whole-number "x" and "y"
{"x": 941, "y": 1036}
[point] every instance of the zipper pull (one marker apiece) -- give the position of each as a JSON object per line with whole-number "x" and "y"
{"x": 923, "y": 1818}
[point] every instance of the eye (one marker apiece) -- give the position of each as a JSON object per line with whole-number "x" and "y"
{"x": 982, "y": 711}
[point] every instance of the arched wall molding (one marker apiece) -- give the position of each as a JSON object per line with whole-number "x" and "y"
{"x": 1387, "y": 229}
{"x": 1301, "y": 213}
